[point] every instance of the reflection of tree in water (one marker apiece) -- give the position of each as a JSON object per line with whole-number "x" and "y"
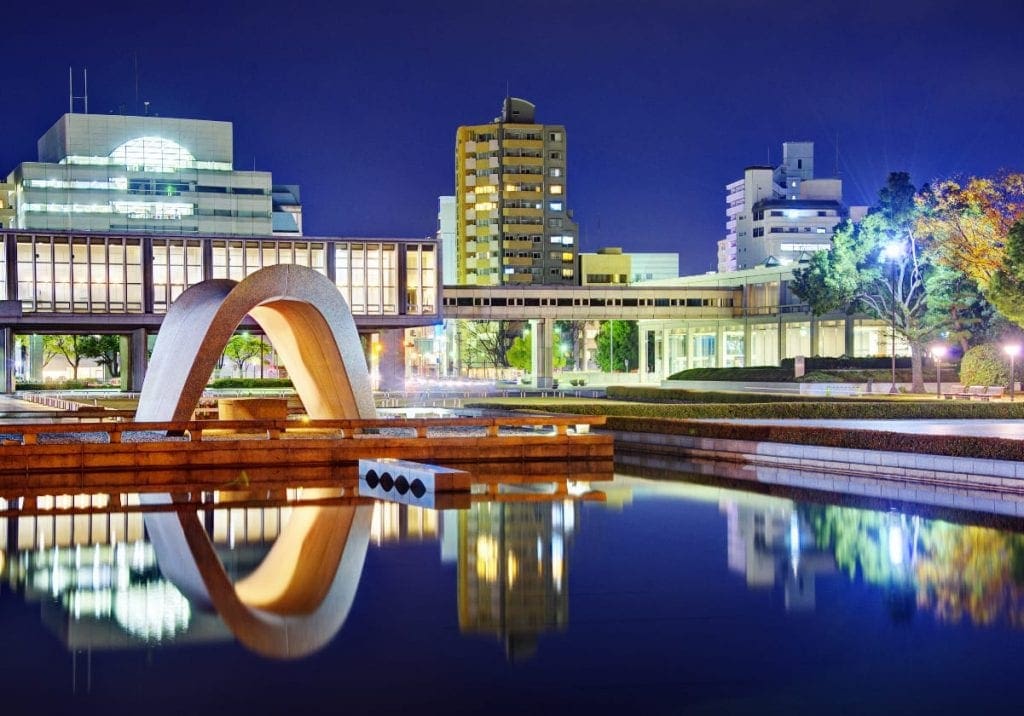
{"x": 972, "y": 572}
{"x": 955, "y": 571}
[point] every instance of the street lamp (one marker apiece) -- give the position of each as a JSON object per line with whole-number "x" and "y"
{"x": 1012, "y": 350}
{"x": 892, "y": 252}
{"x": 938, "y": 353}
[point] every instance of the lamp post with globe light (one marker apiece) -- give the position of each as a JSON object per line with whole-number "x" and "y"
{"x": 938, "y": 353}
{"x": 892, "y": 253}
{"x": 1012, "y": 350}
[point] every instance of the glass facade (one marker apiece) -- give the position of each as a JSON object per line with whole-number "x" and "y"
{"x": 238, "y": 258}
{"x": 106, "y": 273}
{"x": 177, "y": 264}
{"x": 80, "y": 274}
{"x": 421, "y": 279}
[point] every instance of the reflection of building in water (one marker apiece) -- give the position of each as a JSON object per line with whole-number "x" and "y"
{"x": 770, "y": 542}
{"x": 96, "y": 578}
{"x": 513, "y": 580}
{"x": 393, "y": 522}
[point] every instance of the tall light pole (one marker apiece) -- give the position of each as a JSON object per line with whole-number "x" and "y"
{"x": 938, "y": 352}
{"x": 1012, "y": 350}
{"x": 892, "y": 253}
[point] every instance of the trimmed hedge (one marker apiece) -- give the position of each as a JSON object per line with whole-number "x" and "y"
{"x": 840, "y": 363}
{"x": 762, "y": 374}
{"x": 850, "y": 410}
{"x": 251, "y": 383}
{"x": 649, "y": 394}
{"x": 949, "y": 445}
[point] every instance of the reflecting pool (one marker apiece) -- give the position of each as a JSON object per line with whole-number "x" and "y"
{"x": 652, "y": 596}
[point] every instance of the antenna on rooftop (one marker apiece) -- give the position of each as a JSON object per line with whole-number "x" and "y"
{"x": 136, "y": 57}
{"x": 71, "y": 91}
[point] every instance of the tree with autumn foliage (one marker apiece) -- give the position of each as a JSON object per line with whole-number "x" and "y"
{"x": 978, "y": 228}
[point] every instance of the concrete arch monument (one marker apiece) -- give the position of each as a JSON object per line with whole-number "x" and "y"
{"x": 299, "y": 596}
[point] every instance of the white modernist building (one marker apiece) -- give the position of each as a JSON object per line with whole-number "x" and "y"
{"x": 114, "y": 173}
{"x": 778, "y": 214}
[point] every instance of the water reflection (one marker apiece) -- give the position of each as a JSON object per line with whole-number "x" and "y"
{"x": 280, "y": 577}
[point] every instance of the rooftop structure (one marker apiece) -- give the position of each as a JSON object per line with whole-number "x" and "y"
{"x": 115, "y": 173}
{"x": 780, "y": 213}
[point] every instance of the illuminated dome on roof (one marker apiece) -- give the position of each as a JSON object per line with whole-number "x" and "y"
{"x": 153, "y": 154}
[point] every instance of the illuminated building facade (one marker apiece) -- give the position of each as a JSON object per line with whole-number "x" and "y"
{"x": 114, "y": 173}
{"x": 123, "y": 283}
{"x": 513, "y": 224}
{"x": 779, "y": 213}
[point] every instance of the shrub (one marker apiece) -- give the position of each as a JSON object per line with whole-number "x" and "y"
{"x": 652, "y": 394}
{"x": 251, "y": 383}
{"x": 844, "y": 363}
{"x": 769, "y": 374}
{"x": 951, "y": 445}
{"x": 984, "y": 365}
{"x": 806, "y": 410}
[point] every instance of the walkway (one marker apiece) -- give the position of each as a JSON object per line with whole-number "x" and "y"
{"x": 1012, "y": 429}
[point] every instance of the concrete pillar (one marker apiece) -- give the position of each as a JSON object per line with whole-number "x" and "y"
{"x": 7, "y": 355}
{"x": 542, "y": 332}
{"x": 134, "y": 359}
{"x": 34, "y": 373}
{"x": 747, "y": 339}
{"x": 849, "y": 342}
{"x": 815, "y": 348}
{"x": 666, "y": 354}
{"x": 391, "y": 360}
{"x": 719, "y": 346}
{"x": 782, "y": 340}
{"x": 641, "y": 335}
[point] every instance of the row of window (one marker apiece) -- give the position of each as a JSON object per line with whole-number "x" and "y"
{"x": 105, "y": 274}
{"x": 465, "y": 301}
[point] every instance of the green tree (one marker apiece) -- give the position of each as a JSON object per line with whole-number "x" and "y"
{"x": 241, "y": 349}
{"x": 105, "y": 349}
{"x": 881, "y": 267}
{"x": 617, "y": 347}
{"x": 520, "y": 354}
{"x": 69, "y": 347}
{"x": 1006, "y": 287}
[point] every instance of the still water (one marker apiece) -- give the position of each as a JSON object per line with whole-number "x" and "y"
{"x": 634, "y": 595}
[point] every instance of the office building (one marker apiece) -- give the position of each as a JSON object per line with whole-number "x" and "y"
{"x": 780, "y": 214}
{"x": 114, "y": 173}
{"x": 513, "y": 225}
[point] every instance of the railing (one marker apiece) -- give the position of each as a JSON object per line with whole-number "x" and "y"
{"x": 195, "y": 430}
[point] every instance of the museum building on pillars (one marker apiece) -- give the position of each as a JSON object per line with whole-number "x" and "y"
{"x": 120, "y": 214}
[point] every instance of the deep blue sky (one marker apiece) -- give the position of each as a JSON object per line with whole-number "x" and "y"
{"x": 664, "y": 102}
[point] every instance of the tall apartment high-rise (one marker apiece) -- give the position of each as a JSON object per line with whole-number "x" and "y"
{"x": 781, "y": 213}
{"x": 513, "y": 224}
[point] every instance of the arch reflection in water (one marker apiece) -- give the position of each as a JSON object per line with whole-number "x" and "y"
{"x": 294, "y": 602}
{"x": 298, "y": 597}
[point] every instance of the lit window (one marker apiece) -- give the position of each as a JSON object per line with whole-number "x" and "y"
{"x": 555, "y": 171}
{"x": 555, "y": 188}
{"x": 153, "y": 154}
{"x": 555, "y": 205}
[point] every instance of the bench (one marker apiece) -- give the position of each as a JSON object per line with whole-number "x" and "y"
{"x": 978, "y": 392}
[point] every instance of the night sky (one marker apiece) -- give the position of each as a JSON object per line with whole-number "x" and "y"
{"x": 664, "y": 102}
